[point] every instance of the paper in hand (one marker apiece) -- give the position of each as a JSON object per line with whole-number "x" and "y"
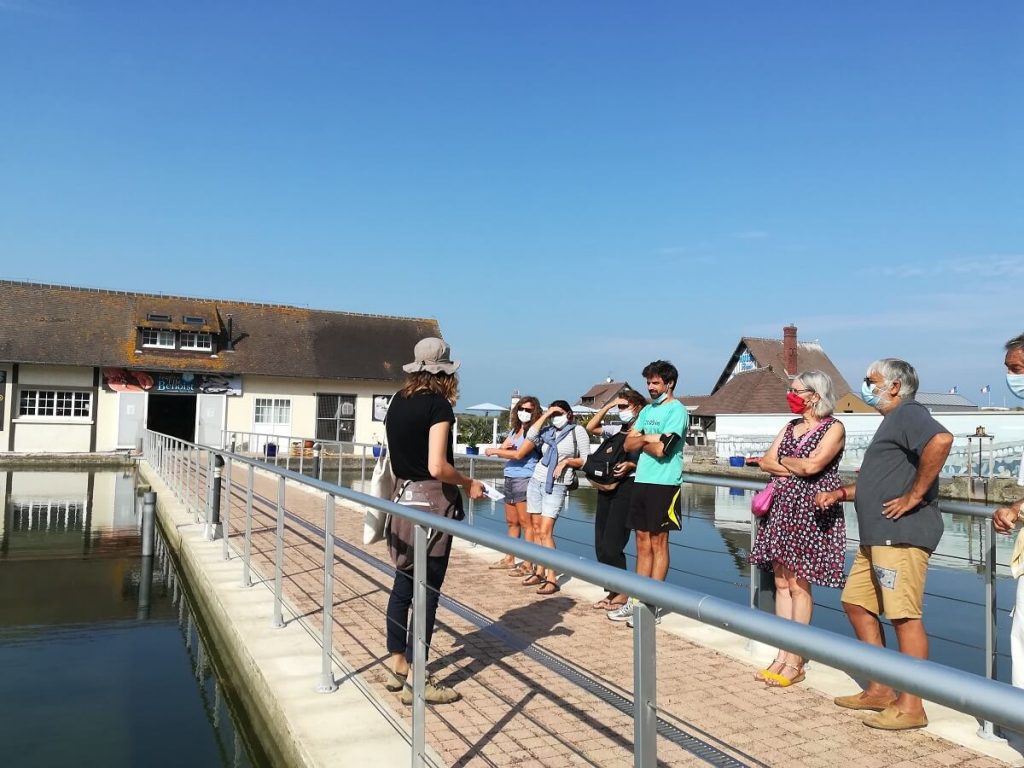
{"x": 492, "y": 493}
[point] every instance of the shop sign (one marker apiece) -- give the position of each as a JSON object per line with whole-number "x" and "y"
{"x": 159, "y": 382}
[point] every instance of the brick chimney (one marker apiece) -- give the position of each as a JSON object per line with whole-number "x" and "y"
{"x": 789, "y": 349}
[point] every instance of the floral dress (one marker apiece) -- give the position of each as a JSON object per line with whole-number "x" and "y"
{"x": 810, "y": 542}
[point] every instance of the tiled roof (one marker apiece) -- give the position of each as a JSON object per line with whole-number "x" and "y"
{"x": 943, "y": 400}
{"x": 761, "y": 390}
{"x": 603, "y": 392}
{"x": 78, "y": 326}
{"x": 769, "y": 353}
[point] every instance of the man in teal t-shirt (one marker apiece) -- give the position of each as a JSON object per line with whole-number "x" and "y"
{"x": 654, "y": 508}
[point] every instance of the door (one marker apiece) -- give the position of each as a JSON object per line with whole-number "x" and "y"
{"x": 131, "y": 418}
{"x": 210, "y": 417}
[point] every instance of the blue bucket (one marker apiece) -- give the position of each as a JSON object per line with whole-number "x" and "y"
{"x": 737, "y": 461}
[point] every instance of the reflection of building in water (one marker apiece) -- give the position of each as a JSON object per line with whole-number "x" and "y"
{"x": 73, "y": 512}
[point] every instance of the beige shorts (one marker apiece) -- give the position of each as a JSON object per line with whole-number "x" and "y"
{"x": 888, "y": 580}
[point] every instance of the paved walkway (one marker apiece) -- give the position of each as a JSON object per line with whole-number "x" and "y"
{"x": 518, "y": 658}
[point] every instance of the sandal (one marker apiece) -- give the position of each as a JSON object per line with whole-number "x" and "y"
{"x": 532, "y": 580}
{"x": 502, "y": 565}
{"x": 602, "y": 605}
{"x": 762, "y": 674}
{"x": 519, "y": 571}
{"x": 548, "y": 588}
{"x": 774, "y": 680}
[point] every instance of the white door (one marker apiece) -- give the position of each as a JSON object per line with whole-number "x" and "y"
{"x": 131, "y": 418}
{"x": 210, "y": 412}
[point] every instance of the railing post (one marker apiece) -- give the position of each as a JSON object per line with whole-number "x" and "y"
{"x": 362, "y": 471}
{"x": 279, "y": 556}
{"x": 419, "y": 652}
{"x": 645, "y": 687}
{"x": 226, "y": 517}
{"x": 327, "y": 684}
{"x": 247, "y": 545}
{"x": 987, "y": 730}
{"x": 216, "y": 531}
{"x": 318, "y": 467}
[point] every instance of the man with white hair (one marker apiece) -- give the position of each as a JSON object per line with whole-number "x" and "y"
{"x": 900, "y": 525}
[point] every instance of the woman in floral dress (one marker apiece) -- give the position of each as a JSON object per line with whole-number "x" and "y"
{"x": 801, "y": 544}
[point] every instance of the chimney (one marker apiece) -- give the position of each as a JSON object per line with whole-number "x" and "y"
{"x": 789, "y": 349}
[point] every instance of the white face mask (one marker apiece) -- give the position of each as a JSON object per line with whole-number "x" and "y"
{"x": 560, "y": 420}
{"x": 626, "y": 416}
{"x": 524, "y": 416}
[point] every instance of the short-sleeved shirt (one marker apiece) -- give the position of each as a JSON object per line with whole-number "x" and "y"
{"x": 408, "y": 427}
{"x": 888, "y": 471}
{"x": 661, "y": 419}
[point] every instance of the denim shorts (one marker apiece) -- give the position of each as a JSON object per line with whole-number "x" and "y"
{"x": 515, "y": 489}
{"x": 546, "y": 504}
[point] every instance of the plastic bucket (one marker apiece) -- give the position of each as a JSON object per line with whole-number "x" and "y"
{"x": 270, "y": 450}
{"x": 736, "y": 461}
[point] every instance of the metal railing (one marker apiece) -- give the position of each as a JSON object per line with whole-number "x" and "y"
{"x": 183, "y": 466}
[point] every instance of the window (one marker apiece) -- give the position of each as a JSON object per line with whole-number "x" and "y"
{"x": 196, "y": 340}
{"x": 57, "y": 403}
{"x": 154, "y": 338}
{"x": 194, "y": 320}
{"x": 336, "y": 417}
{"x": 157, "y": 317}
{"x": 273, "y": 410}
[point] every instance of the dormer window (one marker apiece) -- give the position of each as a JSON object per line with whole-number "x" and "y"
{"x": 157, "y": 317}
{"x": 195, "y": 340}
{"x": 193, "y": 320}
{"x": 157, "y": 339}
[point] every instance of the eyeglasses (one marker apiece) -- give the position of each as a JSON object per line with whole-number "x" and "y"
{"x": 798, "y": 391}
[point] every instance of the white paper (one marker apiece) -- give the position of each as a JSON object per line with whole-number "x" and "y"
{"x": 492, "y": 493}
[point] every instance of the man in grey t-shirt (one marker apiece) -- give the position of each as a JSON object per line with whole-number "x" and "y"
{"x": 895, "y": 496}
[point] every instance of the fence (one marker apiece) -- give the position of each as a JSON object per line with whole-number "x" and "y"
{"x": 188, "y": 469}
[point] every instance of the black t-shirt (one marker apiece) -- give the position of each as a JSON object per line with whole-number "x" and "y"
{"x": 408, "y": 426}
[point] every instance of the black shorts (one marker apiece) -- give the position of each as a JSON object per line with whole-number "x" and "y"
{"x": 654, "y": 508}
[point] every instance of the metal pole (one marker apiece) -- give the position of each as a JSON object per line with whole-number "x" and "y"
{"x": 227, "y": 511}
{"x": 645, "y": 687}
{"x": 279, "y": 555}
{"x": 419, "y": 653}
{"x": 362, "y": 471}
{"x": 216, "y": 531}
{"x": 318, "y": 466}
{"x": 987, "y": 730}
{"x": 247, "y": 546}
{"x": 148, "y": 523}
{"x": 327, "y": 684}
{"x": 302, "y": 454}
{"x": 145, "y": 587}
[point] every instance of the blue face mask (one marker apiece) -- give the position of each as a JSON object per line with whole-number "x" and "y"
{"x": 1015, "y": 381}
{"x": 867, "y": 393}
{"x": 660, "y": 398}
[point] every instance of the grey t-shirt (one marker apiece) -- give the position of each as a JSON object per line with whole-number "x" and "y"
{"x": 888, "y": 471}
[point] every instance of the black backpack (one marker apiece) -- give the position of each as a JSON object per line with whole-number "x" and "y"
{"x": 600, "y": 465}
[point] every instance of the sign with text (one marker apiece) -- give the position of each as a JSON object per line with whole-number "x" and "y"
{"x": 164, "y": 383}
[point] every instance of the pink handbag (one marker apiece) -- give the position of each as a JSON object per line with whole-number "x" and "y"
{"x": 761, "y": 504}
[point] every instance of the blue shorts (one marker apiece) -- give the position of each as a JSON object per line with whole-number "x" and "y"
{"x": 515, "y": 489}
{"x": 545, "y": 504}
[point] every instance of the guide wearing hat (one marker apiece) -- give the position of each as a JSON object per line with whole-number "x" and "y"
{"x": 433, "y": 356}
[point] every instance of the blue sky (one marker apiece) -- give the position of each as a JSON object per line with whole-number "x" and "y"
{"x": 571, "y": 189}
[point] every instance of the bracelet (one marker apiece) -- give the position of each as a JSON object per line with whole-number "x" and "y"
{"x": 843, "y": 496}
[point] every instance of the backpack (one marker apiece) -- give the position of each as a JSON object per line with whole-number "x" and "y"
{"x": 600, "y": 465}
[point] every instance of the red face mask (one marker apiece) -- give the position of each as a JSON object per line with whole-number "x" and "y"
{"x": 796, "y": 403}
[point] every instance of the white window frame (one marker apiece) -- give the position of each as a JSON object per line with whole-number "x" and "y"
{"x": 161, "y": 339}
{"x": 46, "y": 403}
{"x": 273, "y": 406}
{"x": 196, "y": 340}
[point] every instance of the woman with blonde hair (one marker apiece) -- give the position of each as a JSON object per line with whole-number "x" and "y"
{"x": 420, "y": 443}
{"x": 800, "y": 543}
{"x": 521, "y": 461}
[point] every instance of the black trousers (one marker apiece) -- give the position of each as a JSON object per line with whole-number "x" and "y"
{"x": 399, "y": 627}
{"x": 611, "y": 535}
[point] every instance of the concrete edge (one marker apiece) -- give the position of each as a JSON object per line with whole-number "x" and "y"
{"x": 278, "y": 669}
{"x": 944, "y": 722}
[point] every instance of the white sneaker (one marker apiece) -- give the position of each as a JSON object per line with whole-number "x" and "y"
{"x": 623, "y": 613}
{"x": 657, "y": 618}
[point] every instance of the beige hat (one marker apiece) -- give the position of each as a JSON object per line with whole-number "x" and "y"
{"x": 432, "y": 355}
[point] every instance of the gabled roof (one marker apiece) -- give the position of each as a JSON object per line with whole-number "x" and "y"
{"x": 603, "y": 392}
{"x": 63, "y": 325}
{"x": 771, "y": 353}
{"x": 761, "y": 390}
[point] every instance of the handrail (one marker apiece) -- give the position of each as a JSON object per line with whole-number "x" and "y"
{"x": 963, "y": 691}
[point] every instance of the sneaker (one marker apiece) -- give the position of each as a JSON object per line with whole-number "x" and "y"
{"x": 623, "y": 612}
{"x": 433, "y": 693}
{"x": 657, "y": 618}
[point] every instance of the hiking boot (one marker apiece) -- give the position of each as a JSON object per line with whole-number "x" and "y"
{"x": 622, "y": 613}
{"x": 433, "y": 693}
{"x": 657, "y": 618}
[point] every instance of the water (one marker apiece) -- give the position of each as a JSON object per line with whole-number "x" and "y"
{"x": 710, "y": 555}
{"x": 104, "y": 661}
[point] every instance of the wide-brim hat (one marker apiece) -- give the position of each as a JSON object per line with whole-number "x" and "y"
{"x": 432, "y": 355}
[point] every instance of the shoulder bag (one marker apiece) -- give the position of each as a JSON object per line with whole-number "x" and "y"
{"x": 383, "y": 484}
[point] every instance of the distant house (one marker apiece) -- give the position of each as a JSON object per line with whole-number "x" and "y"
{"x": 87, "y": 370}
{"x": 601, "y": 394}
{"x": 756, "y": 377}
{"x": 945, "y": 402}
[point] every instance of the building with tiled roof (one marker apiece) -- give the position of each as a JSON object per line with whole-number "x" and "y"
{"x": 84, "y": 369}
{"x": 601, "y": 394}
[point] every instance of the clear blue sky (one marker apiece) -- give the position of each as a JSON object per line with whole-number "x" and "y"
{"x": 572, "y": 189}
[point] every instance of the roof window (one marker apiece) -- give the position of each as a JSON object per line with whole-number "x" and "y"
{"x": 158, "y": 317}
{"x": 194, "y": 320}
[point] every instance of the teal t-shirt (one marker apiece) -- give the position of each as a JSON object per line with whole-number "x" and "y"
{"x": 660, "y": 420}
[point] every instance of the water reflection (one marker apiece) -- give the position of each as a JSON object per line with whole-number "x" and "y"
{"x": 102, "y": 640}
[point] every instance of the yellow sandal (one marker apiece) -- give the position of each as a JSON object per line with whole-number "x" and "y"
{"x": 775, "y": 680}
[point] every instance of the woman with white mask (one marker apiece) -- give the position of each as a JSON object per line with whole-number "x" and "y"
{"x": 563, "y": 447}
{"x": 521, "y": 461}
{"x": 611, "y": 470}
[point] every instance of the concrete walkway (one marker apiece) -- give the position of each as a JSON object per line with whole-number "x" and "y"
{"x": 548, "y": 680}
